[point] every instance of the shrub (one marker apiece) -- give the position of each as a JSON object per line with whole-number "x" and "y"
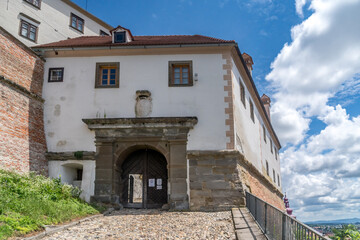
{"x": 28, "y": 202}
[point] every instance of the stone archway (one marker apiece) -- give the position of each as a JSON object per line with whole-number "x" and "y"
{"x": 144, "y": 180}
{"x": 118, "y": 137}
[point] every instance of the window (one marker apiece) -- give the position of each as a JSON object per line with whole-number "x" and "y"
{"x": 276, "y": 153}
{"x": 267, "y": 168}
{"x": 27, "y": 30}
{"x": 252, "y": 110}
{"x": 35, "y": 3}
{"x": 102, "y": 33}
{"x": 278, "y": 180}
{"x": 119, "y": 37}
{"x": 271, "y": 146}
{"x": 242, "y": 93}
{"x": 107, "y": 75}
{"x": 264, "y": 133}
{"x": 274, "y": 176}
{"x": 77, "y": 22}
{"x": 56, "y": 75}
{"x": 180, "y": 74}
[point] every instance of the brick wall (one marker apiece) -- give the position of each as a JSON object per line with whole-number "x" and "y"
{"x": 22, "y": 138}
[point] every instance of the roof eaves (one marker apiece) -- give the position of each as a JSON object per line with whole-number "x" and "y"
{"x": 89, "y": 15}
{"x": 112, "y": 46}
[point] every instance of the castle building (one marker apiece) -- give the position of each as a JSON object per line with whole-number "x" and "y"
{"x": 158, "y": 121}
{"x": 141, "y": 121}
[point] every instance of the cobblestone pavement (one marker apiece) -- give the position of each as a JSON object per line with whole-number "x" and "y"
{"x": 152, "y": 224}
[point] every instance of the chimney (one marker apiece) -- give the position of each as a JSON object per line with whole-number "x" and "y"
{"x": 266, "y": 102}
{"x": 249, "y": 62}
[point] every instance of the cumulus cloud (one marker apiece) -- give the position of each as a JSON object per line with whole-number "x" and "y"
{"x": 319, "y": 68}
{"x": 323, "y": 55}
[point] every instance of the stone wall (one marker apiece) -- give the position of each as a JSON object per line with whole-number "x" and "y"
{"x": 215, "y": 182}
{"x": 22, "y": 139}
{"x": 219, "y": 179}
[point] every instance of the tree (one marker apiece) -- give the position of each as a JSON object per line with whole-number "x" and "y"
{"x": 346, "y": 232}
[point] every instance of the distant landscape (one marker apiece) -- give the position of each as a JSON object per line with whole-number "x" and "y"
{"x": 336, "y": 222}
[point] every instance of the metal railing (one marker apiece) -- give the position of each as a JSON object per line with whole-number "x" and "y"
{"x": 278, "y": 225}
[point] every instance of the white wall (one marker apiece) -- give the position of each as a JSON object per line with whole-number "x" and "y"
{"x": 67, "y": 102}
{"x": 54, "y": 18}
{"x": 67, "y": 171}
{"x": 255, "y": 149}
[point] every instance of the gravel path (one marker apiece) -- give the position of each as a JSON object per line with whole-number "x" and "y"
{"x": 152, "y": 224}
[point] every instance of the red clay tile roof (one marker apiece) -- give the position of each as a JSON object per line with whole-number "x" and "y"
{"x": 99, "y": 41}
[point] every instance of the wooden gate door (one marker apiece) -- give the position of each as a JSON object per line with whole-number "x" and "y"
{"x": 144, "y": 179}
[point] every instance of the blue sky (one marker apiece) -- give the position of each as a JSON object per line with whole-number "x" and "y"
{"x": 307, "y": 59}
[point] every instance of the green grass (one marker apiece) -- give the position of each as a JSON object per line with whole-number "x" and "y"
{"x": 28, "y": 202}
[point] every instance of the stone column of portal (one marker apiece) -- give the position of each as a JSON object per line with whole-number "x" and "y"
{"x": 103, "y": 172}
{"x": 177, "y": 176}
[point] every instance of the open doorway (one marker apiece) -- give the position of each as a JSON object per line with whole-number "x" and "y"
{"x": 144, "y": 179}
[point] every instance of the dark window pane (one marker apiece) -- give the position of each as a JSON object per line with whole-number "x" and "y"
{"x": 73, "y": 22}
{"x": 104, "y": 82}
{"x": 112, "y": 71}
{"x": 112, "y": 82}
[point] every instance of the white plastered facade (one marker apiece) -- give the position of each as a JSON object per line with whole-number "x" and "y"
{"x": 52, "y": 20}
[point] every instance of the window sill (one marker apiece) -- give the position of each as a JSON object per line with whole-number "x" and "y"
{"x": 77, "y": 29}
{"x": 34, "y": 41}
{"x": 181, "y": 85}
{"x": 99, "y": 86}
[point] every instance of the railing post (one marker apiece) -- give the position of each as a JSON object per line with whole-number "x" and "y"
{"x": 265, "y": 220}
{"x": 283, "y": 227}
{"x": 256, "y": 210}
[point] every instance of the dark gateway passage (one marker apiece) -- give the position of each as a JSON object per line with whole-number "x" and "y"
{"x": 144, "y": 179}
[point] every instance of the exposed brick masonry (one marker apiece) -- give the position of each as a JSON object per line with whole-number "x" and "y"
{"x": 22, "y": 138}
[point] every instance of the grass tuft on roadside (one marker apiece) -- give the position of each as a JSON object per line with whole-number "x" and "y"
{"x": 29, "y": 202}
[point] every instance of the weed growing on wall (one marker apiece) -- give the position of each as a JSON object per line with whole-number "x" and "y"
{"x": 28, "y": 202}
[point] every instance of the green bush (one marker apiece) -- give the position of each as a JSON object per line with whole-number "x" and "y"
{"x": 28, "y": 202}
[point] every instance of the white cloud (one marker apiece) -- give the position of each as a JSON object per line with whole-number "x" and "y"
{"x": 299, "y": 4}
{"x": 326, "y": 168}
{"x": 323, "y": 55}
{"x": 320, "y": 66}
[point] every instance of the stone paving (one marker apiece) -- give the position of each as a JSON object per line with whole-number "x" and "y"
{"x": 245, "y": 226}
{"x": 152, "y": 224}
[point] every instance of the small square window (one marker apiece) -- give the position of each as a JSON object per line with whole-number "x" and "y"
{"x": 119, "y": 37}
{"x": 56, "y": 75}
{"x": 107, "y": 75}
{"x": 242, "y": 93}
{"x": 252, "y": 115}
{"x": 35, "y": 3}
{"x": 180, "y": 74}
{"x": 27, "y": 30}
{"x": 77, "y": 23}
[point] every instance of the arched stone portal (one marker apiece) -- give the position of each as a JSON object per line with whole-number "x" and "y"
{"x": 117, "y": 138}
{"x": 144, "y": 180}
